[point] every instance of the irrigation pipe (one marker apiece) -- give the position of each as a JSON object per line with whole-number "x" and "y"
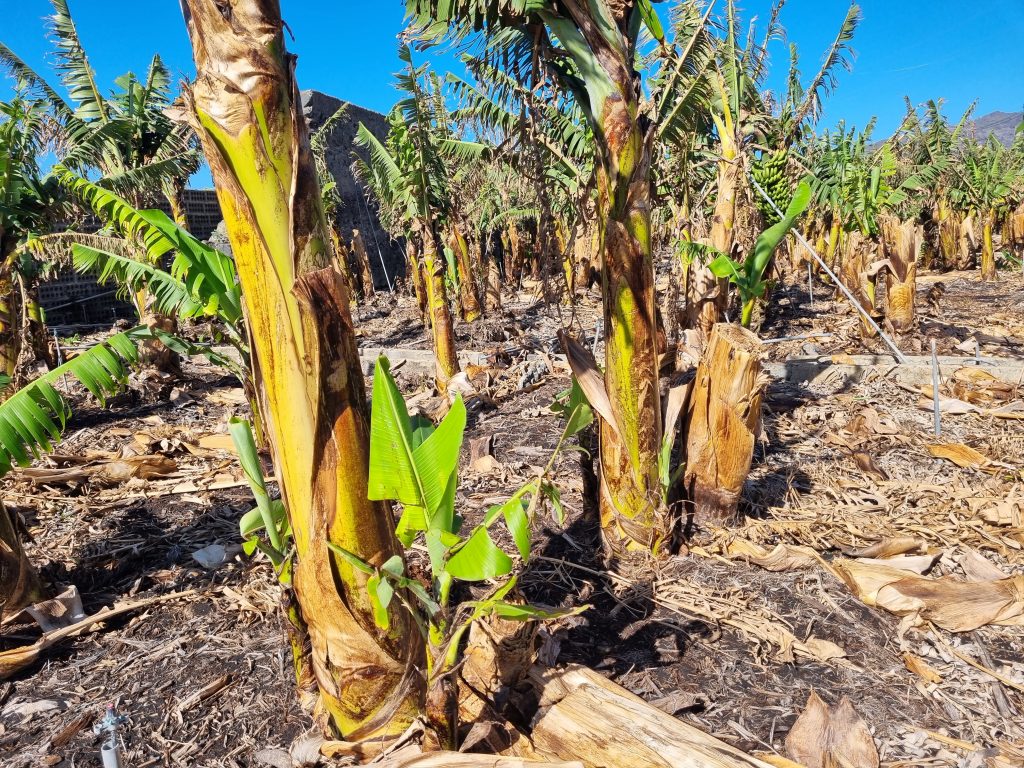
{"x": 846, "y": 291}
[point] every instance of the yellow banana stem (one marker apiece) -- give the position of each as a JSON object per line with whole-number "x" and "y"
{"x": 445, "y": 357}
{"x": 632, "y": 515}
{"x": 246, "y": 110}
{"x": 988, "y": 254}
{"x": 469, "y": 302}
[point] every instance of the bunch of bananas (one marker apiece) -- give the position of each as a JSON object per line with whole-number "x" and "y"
{"x": 770, "y": 172}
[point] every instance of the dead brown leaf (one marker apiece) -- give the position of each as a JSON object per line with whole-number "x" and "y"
{"x": 921, "y": 668}
{"x": 980, "y": 387}
{"x": 914, "y": 563}
{"x": 977, "y": 567}
{"x": 784, "y": 557}
{"x": 831, "y": 737}
{"x": 867, "y": 465}
{"x": 218, "y": 442}
{"x": 589, "y": 376}
{"x": 897, "y": 545}
{"x": 960, "y": 454}
{"x": 957, "y": 606}
{"x": 870, "y": 422}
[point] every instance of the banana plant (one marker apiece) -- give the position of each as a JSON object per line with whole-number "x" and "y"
{"x": 29, "y": 203}
{"x": 748, "y": 275}
{"x": 33, "y": 417}
{"x": 416, "y": 464}
{"x": 591, "y": 48}
{"x": 201, "y": 283}
{"x": 244, "y": 105}
{"x": 127, "y": 136}
{"x": 987, "y": 178}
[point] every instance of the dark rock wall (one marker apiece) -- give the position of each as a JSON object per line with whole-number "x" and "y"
{"x": 358, "y": 211}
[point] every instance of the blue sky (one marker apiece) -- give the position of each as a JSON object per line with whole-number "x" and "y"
{"x": 923, "y": 49}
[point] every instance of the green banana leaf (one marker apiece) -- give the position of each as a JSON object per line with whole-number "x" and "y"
{"x": 35, "y": 416}
{"x": 209, "y": 276}
{"x": 758, "y": 260}
{"x": 420, "y": 476}
{"x": 748, "y": 275}
{"x": 171, "y": 296}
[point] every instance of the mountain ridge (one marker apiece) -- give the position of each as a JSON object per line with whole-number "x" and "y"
{"x": 1002, "y": 125}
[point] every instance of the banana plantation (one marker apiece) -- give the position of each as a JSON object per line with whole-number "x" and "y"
{"x": 608, "y": 400}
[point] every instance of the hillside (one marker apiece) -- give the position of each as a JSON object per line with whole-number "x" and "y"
{"x": 1002, "y": 124}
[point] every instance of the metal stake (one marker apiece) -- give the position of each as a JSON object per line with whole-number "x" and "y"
{"x": 900, "y": 357}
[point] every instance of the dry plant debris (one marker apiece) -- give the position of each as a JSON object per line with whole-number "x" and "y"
{"x": 732, "y": 640}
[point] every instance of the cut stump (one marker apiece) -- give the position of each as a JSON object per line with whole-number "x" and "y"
{"x": 723, "y": 420}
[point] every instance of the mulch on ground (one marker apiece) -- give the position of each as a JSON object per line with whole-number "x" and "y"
{"x": 205, "y": 678}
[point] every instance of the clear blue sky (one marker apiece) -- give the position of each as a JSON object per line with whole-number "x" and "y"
{"x": 924, "y": 49}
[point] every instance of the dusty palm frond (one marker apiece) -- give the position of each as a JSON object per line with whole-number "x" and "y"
{"x": 37, "y": 85}
{"x": 158, "y": 82}
{"x": 207, "y": 275}
{"x": 56, "y": 246}
{"x": 681, "y": 88}
{"x": 148, "y": 177}
{"x": 381, "y": 175}
{"x": 758, "y": 55}
{"x": 318, "y": 142}
{"x": 118, "y": 213}
{"x": 171, "y": 296}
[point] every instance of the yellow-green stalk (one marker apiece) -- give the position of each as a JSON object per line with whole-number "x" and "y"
{"x": 245, "y": 107}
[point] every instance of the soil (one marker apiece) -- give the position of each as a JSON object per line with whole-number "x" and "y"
{"x": 204, "y": 678}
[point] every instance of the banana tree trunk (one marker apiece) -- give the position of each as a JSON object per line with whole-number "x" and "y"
{"x": 565, "y": 253}
{"x": 469, "y": 302}
{"x": 363, "y": 262}
{"x": 174, "y": 192}
{"x": 412, "y": 259}
{"x": 835, "y": 238}
{"x": 246, "y": 110}
{"x": 446, "y": 360}
{"x": 341, "y": 256}
{"x": 492, "y": 291}
{"x": 1015, "y": 231}
{"x": 966, "y": 243}
{"x": 10, "y": 313}
{"x": 514, "y": 262}
{"x": 902, "y": 242}
{"x": 722, "y": 424}
{"x": 709, "y": 295}
{"x": 948, "y": 230}
{"x": 37, "y": 329}
{"x": 19, "y": 582}
{"x": 856, "y": 258}
{"x": 632, "y": 515}
{"x": 988, "y": 253}
{"x": 585, "y": 248}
